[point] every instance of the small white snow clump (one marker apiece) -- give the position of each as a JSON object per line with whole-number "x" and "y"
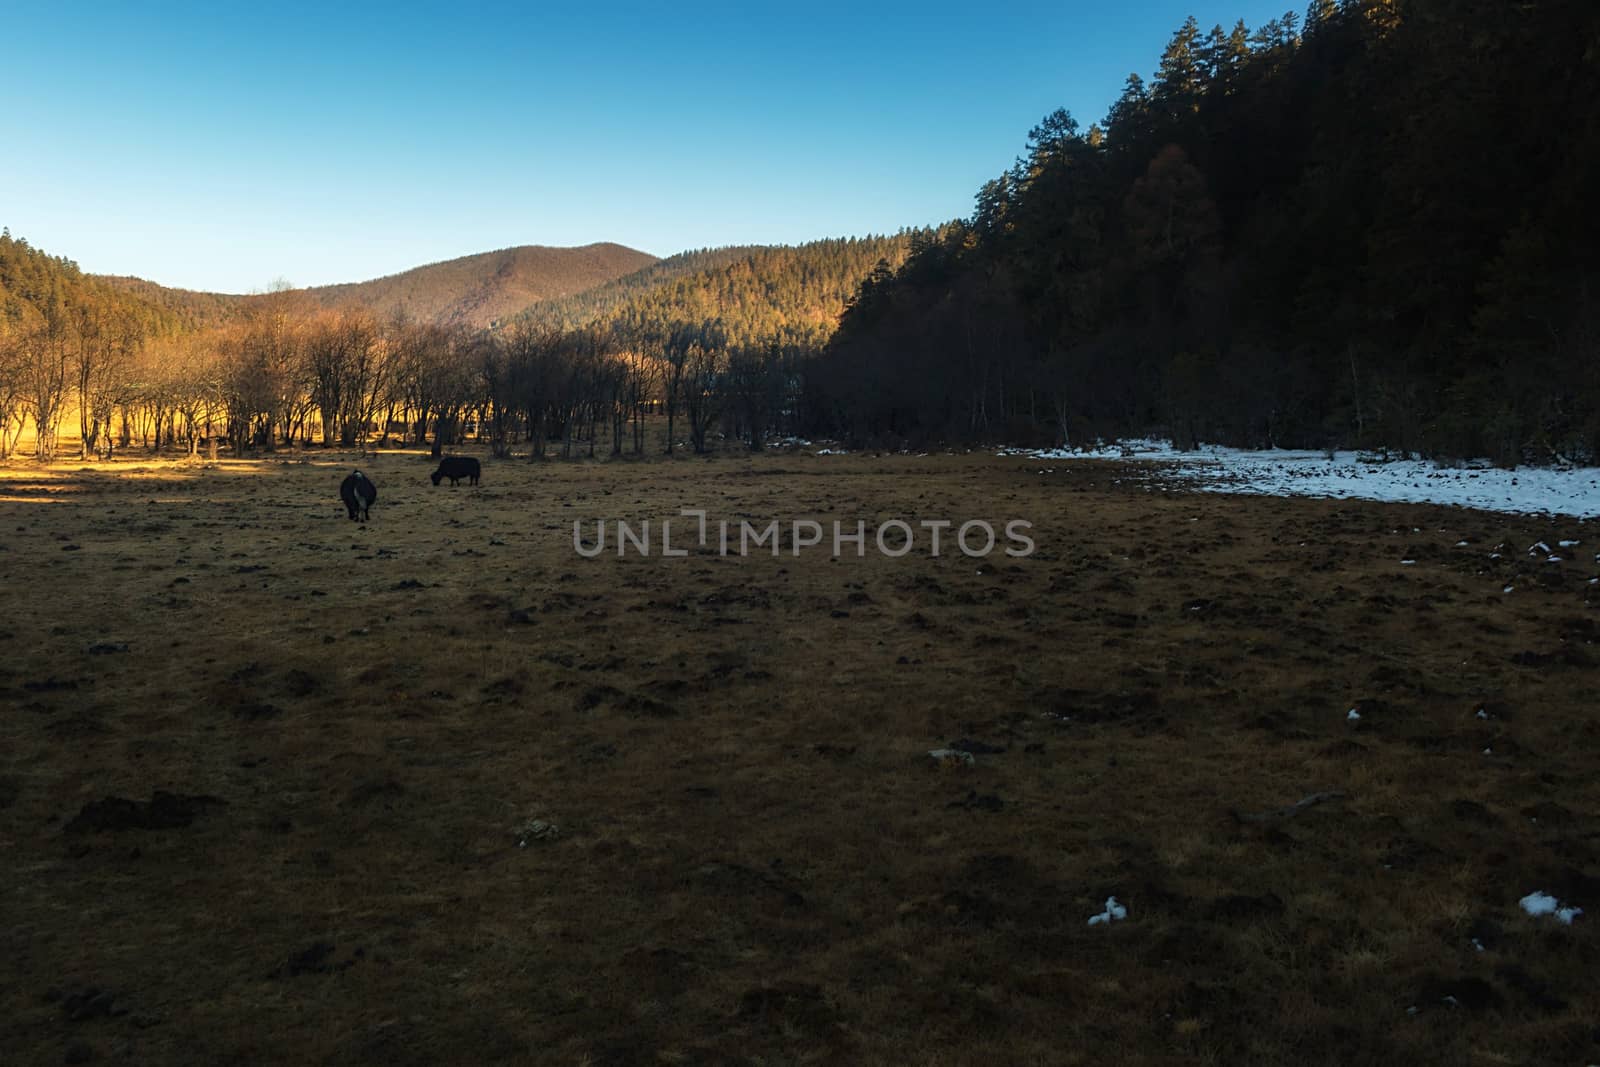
{"x": 1542, "y": 903}
{"x": 1113, "y": 912}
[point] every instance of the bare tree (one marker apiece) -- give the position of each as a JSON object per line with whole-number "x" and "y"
{"x": 264, "y": 391}
{"x": 345, "y": 369}
{"x": 499, "y": 369}
{"x": 702, "y": 382}
{"x": 753, "y": 386}
{"x": 13, "y": 408}
{"x": 327, "y": 369}
{"x": 641, "y": 377}
{"x": 373, "y": 381}
{"x": 46, "y": 375}
{"x": 616, "y": 399}
{"x": 591, "y": 385}
{"x": 434, "y": 376}
{"x": 108, "y": 340}
{"x": 675, "y": 355}
{"x": 530, "y": 353}
{"x": 188, "y": 376}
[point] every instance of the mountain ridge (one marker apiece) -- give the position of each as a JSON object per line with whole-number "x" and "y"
{"x": 787, "y": 293}
{"x": 481, "y": 288}
{"x": 474, "y": 290}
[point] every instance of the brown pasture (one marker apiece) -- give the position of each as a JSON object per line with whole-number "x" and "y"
{"x": 276, "y": 787}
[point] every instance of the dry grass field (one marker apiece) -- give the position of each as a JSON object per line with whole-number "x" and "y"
{"x": 276, "y": 787}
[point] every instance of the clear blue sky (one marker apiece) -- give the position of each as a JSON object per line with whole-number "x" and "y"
{"x": 225, "y": 146}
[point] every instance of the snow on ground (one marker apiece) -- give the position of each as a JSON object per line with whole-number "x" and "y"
{"x": 1113, "y": 912}
{"x": 1542, "y": 903}
{"x": 1571, "y": 491}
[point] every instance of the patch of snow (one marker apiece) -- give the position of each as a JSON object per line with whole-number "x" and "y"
{"x": 1482, "y": 714}
{"x": 1477, "y": 945}
{"x": 1541, "y": 903}
{"x": 1573, "y": 491}
{"x": 1113, "y": 912}
{"x": 830, "y": 452}
{"x": 1352, "y": 715}
{"x": 1568, "y": 544}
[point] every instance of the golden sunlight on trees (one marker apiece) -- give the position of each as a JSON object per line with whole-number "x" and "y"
{"x": 13, "y": 411}
{"x": 46, "y": 374}
{"x": 717, "y": 340}
{"x": 348, "y": 366}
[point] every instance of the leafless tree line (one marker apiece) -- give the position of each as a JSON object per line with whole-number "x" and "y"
{"x": 284, "y": 375}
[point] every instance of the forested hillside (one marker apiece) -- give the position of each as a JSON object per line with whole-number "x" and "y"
{"x": 65, "y": 334}
{"x": 191, "y": 310}
{"x": 604, "y": 301}
{"x": 791, "y": 296}
{"x": 1369, "y": 226}
{"x": 477, "y": 291}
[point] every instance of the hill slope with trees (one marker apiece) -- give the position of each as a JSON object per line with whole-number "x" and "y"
{"x": 66, "y": 335}
{"x": 716, "y": 336}
{"x": 479, "y": 290}
{"x": 474, "y": 291}
{"x": 791, "y": 295}
{"x": 1367, "y": 227}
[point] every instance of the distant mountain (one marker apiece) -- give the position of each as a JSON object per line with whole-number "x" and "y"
{"x": 757, "y": 293}
{"x": 482, "y": 289}
{"x": 475, "y": 291}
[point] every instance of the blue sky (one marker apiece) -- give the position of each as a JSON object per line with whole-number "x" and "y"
{"x": 225, "y": 146}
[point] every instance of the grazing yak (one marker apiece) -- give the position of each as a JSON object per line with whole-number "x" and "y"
{"x": 456, "y": 468}
{"x": 358, "y": 494}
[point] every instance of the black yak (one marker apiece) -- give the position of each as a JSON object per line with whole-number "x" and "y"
{"x": 358, "y": 494}
{"x": 456, "y": 468}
